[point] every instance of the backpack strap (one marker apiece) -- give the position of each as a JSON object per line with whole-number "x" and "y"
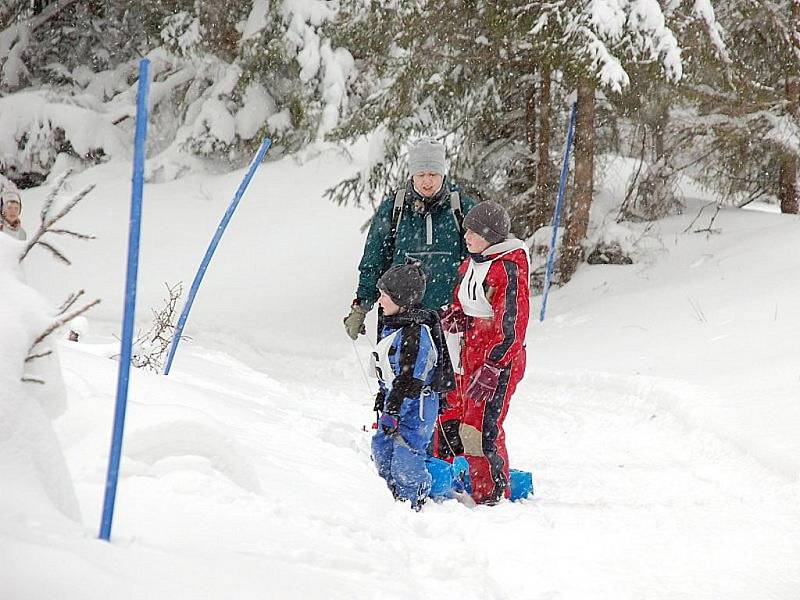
{"x": 458, "y": 217}
{"x": 397, "y": 214}
{"x": 397, "y": 211}
{"x": 455, "y": 206}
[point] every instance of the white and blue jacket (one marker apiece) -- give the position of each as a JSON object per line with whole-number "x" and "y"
{"x": 405, "y": 360}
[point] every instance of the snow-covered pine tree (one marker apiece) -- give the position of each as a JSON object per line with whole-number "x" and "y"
{"x": 746, "y": 128}
{"x": 480, "y": 75}
{"x": 599, "y": 45}
{"x": 649, "y": 113}
{"x": 450, "y": 69}
{"x": 225, "y": 75}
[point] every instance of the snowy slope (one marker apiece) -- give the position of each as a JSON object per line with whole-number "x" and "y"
{"x": 285, "y": 243}
{"x": 657, "y": 416}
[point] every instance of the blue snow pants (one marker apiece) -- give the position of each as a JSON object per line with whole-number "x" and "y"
{"x": 400, "y": 457}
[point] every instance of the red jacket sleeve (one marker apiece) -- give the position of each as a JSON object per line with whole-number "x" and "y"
{"x": 511, "y": 305}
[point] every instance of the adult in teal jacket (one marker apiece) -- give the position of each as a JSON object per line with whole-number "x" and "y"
{"x": 429, "y": 231}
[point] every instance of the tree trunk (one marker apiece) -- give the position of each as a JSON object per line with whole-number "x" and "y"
{"x": 790, "y": 200}
{"x": 788, "y": 193}
{"x": 581, "y": 198}
{"x": 658, "y": 142}
{"x": 530, "y": 123}
{"x": 529, "y": 210}
{"x": 543, "y": 205}
{"x": 219, "y": 29}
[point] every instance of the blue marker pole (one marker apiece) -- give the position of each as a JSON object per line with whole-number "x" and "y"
{"x": 198, "y": 278}
{"x": 562, "y": 186}
{"x": 130, "y": 299}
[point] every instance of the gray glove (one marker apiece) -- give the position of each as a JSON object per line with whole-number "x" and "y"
{"x": 354, "y": 322}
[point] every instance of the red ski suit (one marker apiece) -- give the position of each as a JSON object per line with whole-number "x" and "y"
{"x": 476, "y": 429}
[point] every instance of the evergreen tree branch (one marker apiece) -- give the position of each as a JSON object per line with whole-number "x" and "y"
{"x": 48, "y": 13}
{"x": 48, "y": 220}
{"x": 52, "y": 194}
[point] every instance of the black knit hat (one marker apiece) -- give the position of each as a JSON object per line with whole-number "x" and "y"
{"x": 404, "y": 284}
{"x": 489, "y": 220}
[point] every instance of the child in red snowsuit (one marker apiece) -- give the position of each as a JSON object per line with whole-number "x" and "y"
{"x": 490, "y": 310}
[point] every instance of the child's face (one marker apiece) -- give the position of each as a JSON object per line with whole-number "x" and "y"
{"x": 475, "y": 243}
{"x": 11, "y": 211}
{"x": 388, "y": 305}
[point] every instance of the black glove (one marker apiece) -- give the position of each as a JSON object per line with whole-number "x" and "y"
{"x": 380, "y": 398}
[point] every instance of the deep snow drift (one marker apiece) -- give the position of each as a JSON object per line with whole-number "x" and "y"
{"x": 657, "y": 415}
{"x": 36, "y": 482}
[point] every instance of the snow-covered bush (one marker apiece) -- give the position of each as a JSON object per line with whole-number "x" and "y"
{"x": 224, "y": 76}
{"x": 38, "y": 127}
{"x": 150, "y": 347}
{"x": 32, "y": 466}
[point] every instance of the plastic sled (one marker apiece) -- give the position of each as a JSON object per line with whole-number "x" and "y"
{"x": 447, "y": 479}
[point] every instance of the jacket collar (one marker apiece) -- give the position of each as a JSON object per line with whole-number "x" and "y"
{"x": 500, "y": 248}
{"x": 14, "y": 226}
{"x": 413, "y": 197}
{"x": 416, "y": 314}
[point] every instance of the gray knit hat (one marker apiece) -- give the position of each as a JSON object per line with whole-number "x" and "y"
{"x": 426, "y": 155}
{"x": 490, "y": 221}
{"x": 11, "y": 196}
{"x": 404, "y": 284}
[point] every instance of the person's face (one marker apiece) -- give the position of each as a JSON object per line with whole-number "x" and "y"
{"x": 427, "y": 183}
{"x": 11, "y": 211}
{"x": 388, "y": 305}
{"x": 475, "y": 243}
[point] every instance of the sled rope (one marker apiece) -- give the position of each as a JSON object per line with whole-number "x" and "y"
{"x": 362, "y": 368}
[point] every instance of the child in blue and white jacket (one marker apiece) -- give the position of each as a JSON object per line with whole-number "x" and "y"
{"x": 413, "y": 370}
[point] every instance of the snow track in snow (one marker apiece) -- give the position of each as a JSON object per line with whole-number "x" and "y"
{"x": 266, "y": 468}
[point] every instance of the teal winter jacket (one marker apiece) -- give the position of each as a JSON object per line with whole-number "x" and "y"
{"x": 437, "y": 243}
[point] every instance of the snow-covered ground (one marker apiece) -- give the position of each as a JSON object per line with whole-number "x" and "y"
{"x": 658, "y": 416}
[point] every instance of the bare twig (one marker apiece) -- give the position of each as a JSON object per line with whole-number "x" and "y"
{"x": 629, "y": 193}
{"x": 710, "y": 228}
{"x": 751, "y": 197}
{"x": 55, "y": 325}
{"x": 698, "y": 311}
{"x": 31, "y": 357}
{"x": 55, "y": 252}
{"x": 150, "y": 347}
{"x": 705, "y": 206}
{"x": 65, "y": 306}
{"x": 62, "y": 321}
{"x": 80, "y": 236}
{"x": 645, "y": 231}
